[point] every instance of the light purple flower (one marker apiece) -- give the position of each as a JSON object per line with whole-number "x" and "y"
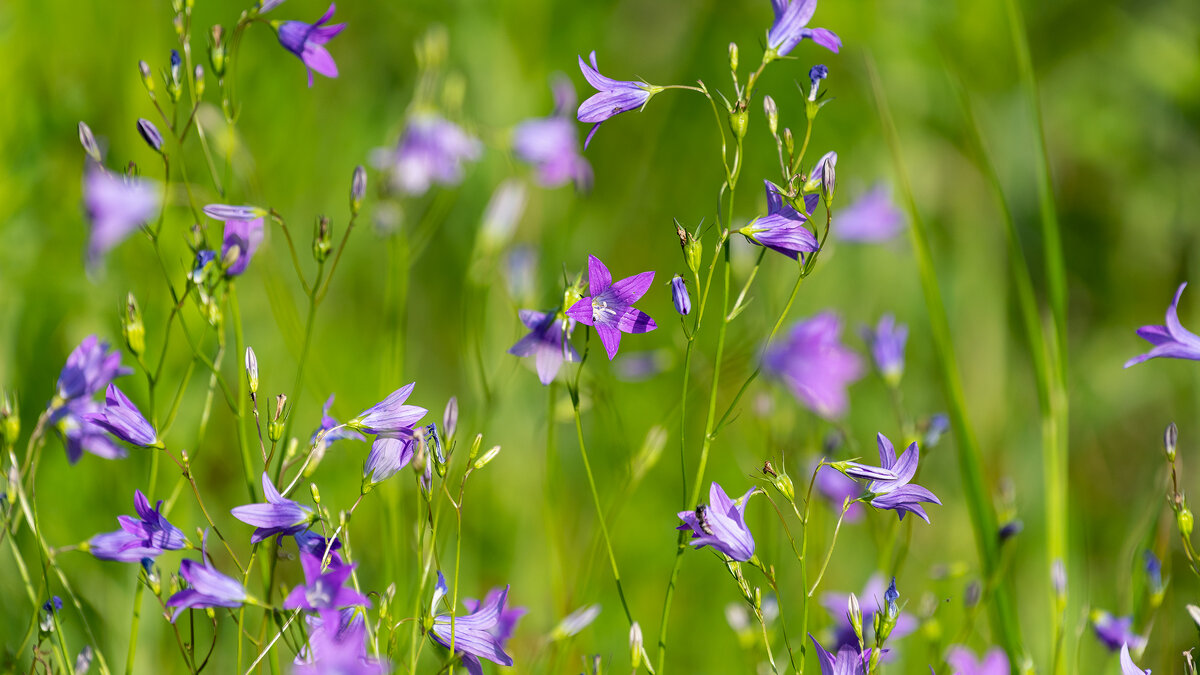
{"x": 277, "y": 516}
{"x": 324, "y": 589}
{"x": 225, "y": 212}
{"x": 1170, "y": 341}
{"x": 782, "y": 229}
{"x": 337, "y": 646}
{"x": 848, "y": 660}
{"x": 116, "y": 206}
{"x": 307, "y": 41}
{"x": 146, "y": 536}
{"x": 721, "y": 524}
{"x": 79, "y": 434}
{"x": 431, "y": 151}
{"x": 90, "y": 367}
{"x": 612, "y": 97}
{"x": 389, "y": 454}
{"x": 551, "y": 144}
{"x": 871, "y": 219}
{"x": 824, "y": 174}
{"x": 679, "y": 295}
{"x": 207, "y": 587}
{"x": 898, "y": 494}
{"x": 815, "y": 365}
{"x": 791, "y": 26}
{"x": 331, "y": 427}
{"x": 1128, "y": 667}
{"x": 836, "y": 488}
{"x": 308, "y": 541}
{"x": 872, "y": 599}
{"x": 1116, "y": 631}
{"x": 887, "y": 341}
{"x": 546, "y": 342}
{"x": 609, "y": 308}
{"x": 245, "y": 236}
{"x": 390, "y": 416}
{"x": 962, "y": 661}
{"x": 506, "y": 625}
{"x": 474, "y": 634}
{"x": 121, "y": 418}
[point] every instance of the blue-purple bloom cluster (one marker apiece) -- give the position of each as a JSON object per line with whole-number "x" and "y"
{"x": 146, "y": 536}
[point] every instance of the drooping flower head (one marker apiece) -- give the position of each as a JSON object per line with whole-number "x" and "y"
{"x": 847, "y": 661}
{"x": 121, "y": 418}
{"x": 1116, "y": 631}
{"x": 721, "y": 524}
{"x": 333, "y": 430}
{"x": 474, "y": 634}
{"x": 815, "y": 365}
{"x": 146, "y": 536}
{"x": 116, "y": 206}
{"x": 1171, "y": 341}
{"x": 551, "y": 144}
{"x": 887, "y": 341}
{"x": 609, "y": 308}
{"x": 307, "y": 41}
{"x": 612, "y": 97}
{"x": 872, "y": 598}
{"x": 389, "y": 454}
{"x": 782, "y": 229}
{"x": 206, "y": 587}
{"x": 391, "y": 415}
{"x": 431, "y": 151}
{"x": 895, "y": 492}
{"x": 90, "y": 367}
{"x": 324, "y": 589}
{"x": 547, "y": 342}
{"x": 791, "y": 26}
{"x": 962, "y": 661}
{"x": 277, "y": 516}
{"x": 873, "y": 218}
{"x": 1128, "y": 667}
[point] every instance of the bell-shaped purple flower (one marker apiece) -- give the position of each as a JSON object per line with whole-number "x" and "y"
{"x": 307, "y": 41}
{"x": 872, "y": 599}
{"x": 612, "y": 97}
{"x": 389, "y": 454}
{"x": 721, "y": 524}
{"x": 206, "y": 587}
{"x": 791, "y": 26}
{"x": 962, "y": 661}
{"x": 551, "y": 144}
{"x": 782, "y": 229}
{"x": 506, "y": 625}
{"x": 848, "y": 660}
{"x": 1116, "y": 631}
{"x": 679, "y": 296}
{"x": 887, "y": 341}
{"x": 337, "y": 644}
{"x": 116, "y": 206}
{"x": 90, "y": 367}
{"x": 80, "y": 435}
{"x": 1128, "y": 667}
{"x": 898, "y": 494}
{"x": 244, "y": 237}
{"x": 277, "y": 516}
{"x": 610, "y": 309}
{"x": 333, "y": 430}
{"x": 121, "y": 418}
{"x": 431, "y": 151}
{"x": 145, "y": 536}
{"x": 474, "y": 634}
{"x": 324, "y": 589}
{"x": 873, "y": 218}
{"x": 546, "y": 342}
{"x": 1171, "y": 341}
{"x": 815, "y": 365}
{"x": 390, "y": 416}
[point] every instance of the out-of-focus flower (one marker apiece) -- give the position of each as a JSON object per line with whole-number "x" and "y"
{"x": 612, "y": 97}
{"x": 791, "y": 26}
{"x": 873, "y": 218}
{"x": 502, "y": 214}
{"x": 546, "y": 342}
{"x": 815, "y": 365}
{"x": 1128, "y": 667}
{"x": 121, "y": 418}
{"x": 307, "y": 42}
{"x": 277, "y": 516}
{"x": 873, "y": 598}
{"x": 324, "y": 589}
{"x": 431, "y": 151}
{"x": 848, "y": 660}
{"x": 782, "y": 229}
{"x": 551, "y": 144}
{"x": 1172, "y": 340}
{"x": 337, "y": 646}
{"x": 836, "y": 488}
{"x": 887, "y": 341}
{"x": 609, "y": 308}
{"x": 575, "y": 622}
{"x": 721, "y": 524}
{"x": 116, "y": 206}
{"x": 1115, "y": 632}
{"x": 962, "y": 661}
{"x": 79, "y": 434}
{"x": 90, "y": 367}
{"x": 238, "y": 244}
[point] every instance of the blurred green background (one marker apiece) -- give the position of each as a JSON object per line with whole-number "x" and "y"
{"x": 1120, "y": 88}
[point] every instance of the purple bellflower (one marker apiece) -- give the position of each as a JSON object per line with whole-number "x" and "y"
{"x": 206, "y": 586}
{"x": 79, "y": 434}
{"x": 848, "y": 660}
{"x": 390, "y": 416}
{"x": 431, "y": 151}
{"x": 506, "y": 625}
{"x": 898, "y": 494}
{"x": 337, "y": 645}
{"x": 277, "y": 516}
{"x": 873, "y": 218}
{"x": 121, "y": 418}
{"x": 333, "y": 430}
{"x": 887, "y": 341}
{"x": 815, "y": 365}
{"x": 721, "y": 524}
{"x": 547, "y": 342}
{"x": 791, "y": 26}
{"x": 782, "y": 229}
{"x": 324, "y": 589}
{"x": 241, "y": 240}
{"x": 1128, "y": 667}
{"x": 307, "y": 41}
{"x": 116, "y": 206}
{"x": 1116, "y": 631}
{"x": 389, "y": 454}
{"x": 551, "y": 144}
{"x": 90, "y": 367}
{"x": 612, "y": 97}
{"x": 1171, "y": 341}
{"x": 146, "y": 536}
{"x": 873, "y": 597}
{"x": 474, "y": 634}
{"x": 962, "y": 661}
{"x": 836, "y": 488}
{"x": 679, "y": 295}
{"x": 610, "y": 309}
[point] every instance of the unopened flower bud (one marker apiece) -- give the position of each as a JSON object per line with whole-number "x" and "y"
{"x": 358, "y": 189}
{"x": 815, "y": 75}
{"x": 1170, "y": 440}
{"x": 150, "y": 134}
{"x": 132, "y": 326}
{"x": 252, "y": 369}
{"x": 637, "y": 647}
{"x": 789, "y": 141}
{"x": 475, "y": 444}
{"x": 1185, "y": 520}
{"x": 275, "y": 427}
{"x": 772, "y": 113}
{"x": 10, "y": 420}
{"x": 88, "y": 141}
{"x": 487, "y": 457}
{"x": 733, "y": 57}
{"x": 198, "y": 76}
{"x": 322, "y": 239}
{"x": 693, "y": 254}
{"x": 973, "y": 593}
{"x": 216, "y": 50}
{"x": 316, "y": 494}
{"x": 1058, "y": 578}
{"x": 854, "y": 616}
{"x": 739, "y": 120}
{"x": 147, "y": 77}
{"x": 450, "y": 418}
{"x": 679, "y": 295}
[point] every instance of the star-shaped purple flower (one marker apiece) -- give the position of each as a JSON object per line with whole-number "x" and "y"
{"x": 612, "y": 97}
{"x": 474, "y": 634}
{"x": 609, "y": 308}
{"x": 721, "y": 524}
{"x": 791, "y": 26}
{"x": 146, "y": 536}
{"x": 546, "y": 342}
{"x": 897, "y": 493}
{"x": 390, "y": 416}
{"x": 1171, "y": 341}
{"x": 277, "y": 516}
{"x": 782, "y": 229}
{"x": 324, "y": 589}
{"x": 815, "y": 365}
{"x": 307, "y": 41}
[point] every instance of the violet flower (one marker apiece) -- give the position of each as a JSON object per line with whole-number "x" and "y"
{"x": 324, "y": 589}
{"x": 612, "y": 97}
{"x": 609, "y": 308}
{"x": 431, "y": 151}
{"x": 206, "y": 586}
{"x": 1170, "y": 341}
{"x": 782, "y": 229}
{"x": 307, "y": 41}
{"x": 506, "y": 625}
{"x": 872, "y": 598}
{"x": 308, "y": 541}
{"x": 1128, "y": 667}
{"x": 337, "y": 644}
{"x": 546, "y": 342}
{"x": 79, "y": 434}
{"x": 721, "y": 524}
{"x": 551, "y": 144}
{"x": 146, "y": 536}
{"x": 887, "y": 341}
{"x": 389, "y": 454}
{"x": 836, "y": 488}
{"x": 962, "y": 661}
{"x": 873, "y": 218}
{"x": 814, "y": 364}
{"x": 390, "y": 416}
{"x": 89, "y": 368}
{"x": 474, "y": 634}
{"x": 679, "y": 295}
{"x": 116, "y": 206}
{"x": 333, "y": 430}
{"x": 240, "y": 241}
{"x": 791, "y": 26}
{"x": 848, "y": 660}
{"x": 121, "y": 418}
{"x": 277, "y": 516}
{"x": 899, "y": 494}
{"x": 1115, "y": 631}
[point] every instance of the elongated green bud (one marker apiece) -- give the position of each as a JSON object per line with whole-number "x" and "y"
{"x": 132, "y": 327}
